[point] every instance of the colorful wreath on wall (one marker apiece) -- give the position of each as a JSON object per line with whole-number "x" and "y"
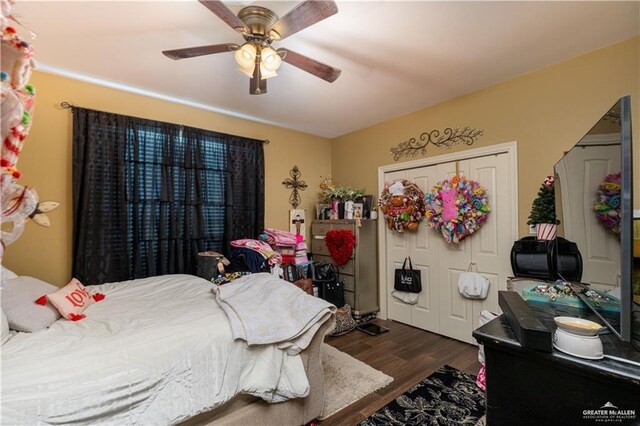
{"x": 402, "y": 204}
{"x": 608, "y": 202}
{"x": 456, "y": 207}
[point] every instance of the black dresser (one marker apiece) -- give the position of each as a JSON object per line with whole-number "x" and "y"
{"x": 526, "y": 387}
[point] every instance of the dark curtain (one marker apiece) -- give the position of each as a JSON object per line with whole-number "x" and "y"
{"x": 148, "y": 195}
{"x": 245, "y": 190}
{"x": 99, "y": 204}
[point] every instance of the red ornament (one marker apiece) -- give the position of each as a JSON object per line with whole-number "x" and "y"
{"x": 42, "y": 300}
{"x": 340, "y": 243}
{"x": 98, "y": 297}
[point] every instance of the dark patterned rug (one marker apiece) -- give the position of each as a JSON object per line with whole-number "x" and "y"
{"x": 447, "y": 397}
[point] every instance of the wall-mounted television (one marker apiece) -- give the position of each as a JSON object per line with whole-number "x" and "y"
{"x": 594, "y": 203}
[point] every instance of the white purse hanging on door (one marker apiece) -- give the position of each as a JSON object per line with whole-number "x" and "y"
{"x": 472, "y": 285}
{"x": 406, "y": 297}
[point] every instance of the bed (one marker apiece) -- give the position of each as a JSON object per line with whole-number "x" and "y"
{"x": 150, "y": 353}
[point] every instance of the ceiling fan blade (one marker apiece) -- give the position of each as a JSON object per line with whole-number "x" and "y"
{"x": 311, "y": 66}
{"x": 192, "y": 52}
{"x": 223, "y": 12}
{"x": 300, "y": 17}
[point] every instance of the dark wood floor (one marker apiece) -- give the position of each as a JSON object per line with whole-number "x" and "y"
{"x": 407, "y": 354}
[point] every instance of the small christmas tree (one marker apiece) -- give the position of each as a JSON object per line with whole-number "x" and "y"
{"x": 543, "y": 209}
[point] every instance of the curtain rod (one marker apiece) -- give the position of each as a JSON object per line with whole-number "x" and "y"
{"x": 67, "y": 105}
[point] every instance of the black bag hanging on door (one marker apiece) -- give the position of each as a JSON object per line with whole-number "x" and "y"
{"x": 408, "y": 279}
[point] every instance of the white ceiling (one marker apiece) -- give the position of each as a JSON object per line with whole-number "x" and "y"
{"x": 396, "y": 57}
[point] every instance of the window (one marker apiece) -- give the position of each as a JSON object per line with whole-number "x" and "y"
{"x": 148, "y": 196}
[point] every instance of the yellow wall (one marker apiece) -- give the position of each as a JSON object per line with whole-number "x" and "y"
{"x": 47, "y": 157}
{"x": 546, "y": 112}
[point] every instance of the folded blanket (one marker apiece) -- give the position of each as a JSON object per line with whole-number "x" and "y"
{"x": 280, "y": 238}
{"x": 263, "y": 309}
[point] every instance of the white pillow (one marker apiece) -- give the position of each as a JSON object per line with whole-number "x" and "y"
{"x": 4, "y": 333}
{"x": 19, "y": 297}
{"x": 6, "y": 274}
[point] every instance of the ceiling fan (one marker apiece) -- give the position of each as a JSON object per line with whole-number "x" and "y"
{"x": 260, "y": 27}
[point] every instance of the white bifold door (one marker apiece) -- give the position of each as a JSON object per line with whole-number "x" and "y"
{"x": 441, "y": 308}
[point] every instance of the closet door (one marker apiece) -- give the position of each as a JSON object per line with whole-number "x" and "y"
{"x": 488, "y": 249}
{"x": 423, "y": 246}
{"x": 491, "y": 246}
{"x": 398, "y": 247}
{"x": 440, "y": 306}
{"x": 456, "y": 312}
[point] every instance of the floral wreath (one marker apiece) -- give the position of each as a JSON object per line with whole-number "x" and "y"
{"x": 402, "y": 204}
{"x": 456, "y": 207}
{"x": 340, "y": 243}
{"x": 608, "y": 202}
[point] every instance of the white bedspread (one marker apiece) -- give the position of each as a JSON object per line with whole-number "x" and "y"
{"x": 154, "y": 352}
{"x": 254, "y": 305}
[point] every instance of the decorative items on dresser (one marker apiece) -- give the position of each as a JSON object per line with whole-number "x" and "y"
{"x": 359, "y": 273}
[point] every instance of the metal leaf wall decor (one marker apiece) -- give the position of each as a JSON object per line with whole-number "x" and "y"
{"x": 449, "y": 138}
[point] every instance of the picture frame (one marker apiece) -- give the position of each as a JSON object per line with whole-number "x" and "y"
{"x": 367, "y": 205}
{"x": 320, "y": 209}
{"x": 297, "y": 224}
{"x": 358, "y": 211}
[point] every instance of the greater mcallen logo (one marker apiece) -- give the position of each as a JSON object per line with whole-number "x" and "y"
{"x": 609, "y": 413}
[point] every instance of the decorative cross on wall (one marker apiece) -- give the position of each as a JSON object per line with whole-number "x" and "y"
{"x": 295, "y": 184}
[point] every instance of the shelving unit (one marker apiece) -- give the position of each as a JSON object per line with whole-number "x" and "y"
{"x": 360, "y": 274}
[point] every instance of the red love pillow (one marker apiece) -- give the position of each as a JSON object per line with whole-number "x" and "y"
{"x": 72, "y": 299}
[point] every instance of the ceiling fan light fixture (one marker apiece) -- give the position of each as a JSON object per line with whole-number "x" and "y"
{"x": 270, "y": 59}
{"x": 246, "y": 55}
{"x": 259, "y": 27}
{"x": 265, "y": 72}
{"x": 248, "y": 71}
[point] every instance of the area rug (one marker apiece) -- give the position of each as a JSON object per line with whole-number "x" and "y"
{"x": 447, "y": 397}
{"x": 347, "y": 380}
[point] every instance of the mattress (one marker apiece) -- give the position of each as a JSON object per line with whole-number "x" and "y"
{"x": 154, "y": 351}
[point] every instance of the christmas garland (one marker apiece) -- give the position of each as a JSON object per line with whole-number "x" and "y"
{"x": 456, "y": 207}
{"x": 402, "y": 204}
{"x": 340, "y": 243}
{"x": 608, "y": 202}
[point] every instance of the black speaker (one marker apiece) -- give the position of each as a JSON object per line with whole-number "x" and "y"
{"x": 532, "y": 258}
{"x": 546, "y": 259}
{"x": 569, "y": 260}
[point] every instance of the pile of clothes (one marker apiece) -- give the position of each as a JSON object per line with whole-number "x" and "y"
{"x": 278, "y": 238}
{"x": 274, "y": 248}
{"x": 286, "y": 244}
